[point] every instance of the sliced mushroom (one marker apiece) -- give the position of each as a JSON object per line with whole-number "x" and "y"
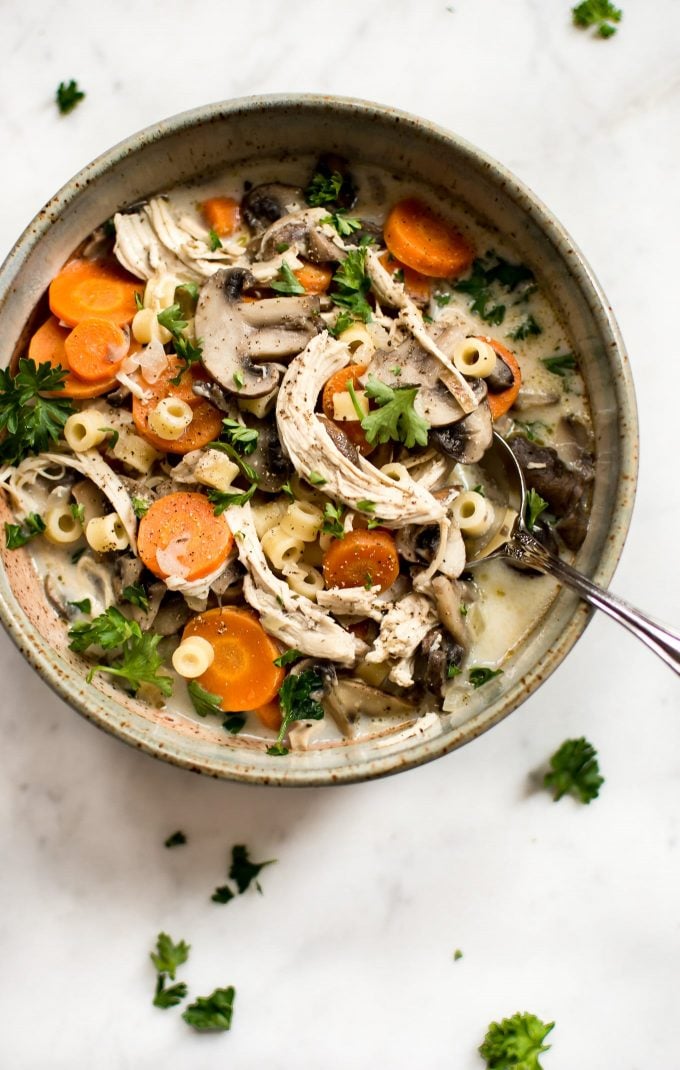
{"x": 127, "y": 570}
{"x": 264, "y": 204}
{"x": 340, "y": 439}
{"x": 348, "y": 698}
{"x": 534, "y": 399}
{"x": 450, "y": 596}
{"x": 271, "y": 465}
{"x": 501, "y": 377}
{"x": 547, "y": 474}
{"x": 437, "y": 655}
{"x": 172, "y": 615}
{"x": 467, "y": 440}
{"x": 303, "y": 232}
{"x": 236, "y": 334}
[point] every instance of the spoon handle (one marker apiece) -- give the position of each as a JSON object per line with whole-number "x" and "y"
{"x": 663, "y": 641}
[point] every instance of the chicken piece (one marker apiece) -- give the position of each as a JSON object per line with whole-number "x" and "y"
{"x": 353, "y": 601}
{"x": 296, "y": 621}
{"x": 403, "y": 629}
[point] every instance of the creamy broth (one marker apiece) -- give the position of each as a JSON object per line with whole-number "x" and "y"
{"x": 500, "y": 607}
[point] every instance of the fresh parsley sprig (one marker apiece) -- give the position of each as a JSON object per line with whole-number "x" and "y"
{"x": 574, "y": 770}
{"x": 323, "y": 189}
{"x": 287, "y": 282}
{"x": 204, "y": 702}
{"x": 136, "y": 595}
{"x": 332, "y": 520}
{"x": 212, "y": 1013}
{"x": 108, "y": 631}
{"x": 534, "y": 506}
{"x": 68, "y": 95}
{"x": 480, "y": 675}
{"x": 351, "y": 286}
{"x": 243, "y": 870}
{"x": 222, "y": 499}
{"x": 297, "y": 704}
{"x": 344, "y": 224}
{"x": 138, "y": 664}
{"x": 166, "y": 958}
{"x": 528, "y": 328}
{"x": 17, "y": 535}
{"x": 487, "y": 272}
{"x": 242, "y": 438}
{"x": 563, "y": 364}
{"x": 515, "y": 1043}
{"x": 30, "y": 421}
{"x": 172, "y": 318}
{"x": 395, "y": 419}
{"x": 598, "y": 13}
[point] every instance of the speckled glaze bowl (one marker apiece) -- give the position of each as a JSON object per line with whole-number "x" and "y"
{"x": 214, "y": 137}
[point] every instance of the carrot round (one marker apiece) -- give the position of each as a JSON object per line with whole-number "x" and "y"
{"x": 243, "y": 673}
{"x": 424, "y": 241}
{"x": 363, "y": 557}
{"x": 222, "y": 215}
{"x": 314, "y": 277}
{"x": 417, "y": 286}
{"x": 87, "y": 288}
{"x": 500, "y": 403}
{"x": 337, "y": 384}
{"x": 48, "y": 346}
{"x": 270, "y": 714}
{"x": 183, "y": 528}
{"x": 95, "y": 349}
{"x": 207, "y": 420}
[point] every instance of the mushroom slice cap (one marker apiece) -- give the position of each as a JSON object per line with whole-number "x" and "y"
{"x": 467, "y": 440}
{"x": 264, "y": 204}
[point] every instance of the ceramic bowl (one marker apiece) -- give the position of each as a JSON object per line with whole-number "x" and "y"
{"x": 211, "y": 138}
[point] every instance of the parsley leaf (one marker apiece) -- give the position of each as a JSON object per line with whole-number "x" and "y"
{"x": 138, "y": 664}
{"x": 85, "y": 606}
{"x": 212, "y": 1012}
{"x": 168, "y": 997}
{"x": 575, "y": 771}
{"x": 17, "y": 535}
{"x": 109, "y": 630}
{"x": 242, "y": 438}
{"x": 287, "y": 282}
{"x": 175, "y": 840}
{"x": 515, "y": 1043}
{"x": 288, "y": 657}
{"x": 481, "y": 675}
{"x": 598, "y": 13}
{"x": 136, "y": 595}
{"x": 222, "y": 499}
{"x": 352, "y": 285}
{"x": 31, "y": 421}
{"x": 323, "y": 189}
{"x": 243, "y": 870}
{"x": 297, "y": 704}
{"x": 562, "y": 364}
{"x": 452, "y": 671}
{"x": 172, "y": 318}
{"x": 222, "y": 894}
{"x": 67, "y": 96}
{"x": 532, "y": 429}
{"x": 535, "y": 505}
{"x": 442, "y": 299}
{"x": 395, "y": 418}
{"x": 527, "y": 328}
{"x": 486, "y": 272}
{"x": 204, "y": 702}
{"x": 332, "y": 520}
{"x": 140, "y": 507}
{"x": 316, "y": 479}
{"x": 344, "y": 224}
{"x": 168, "y": 956}
{"x": 77, "y": 512}
{"x": 186, "y": 296}
{"x": 214, "y": 241}
{"x": 344, "y": 320}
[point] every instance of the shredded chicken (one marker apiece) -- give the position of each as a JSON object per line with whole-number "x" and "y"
{"x": 294, "y": 620}
{"x": 353, "y": 601}
{"x": 394, "y": 293}
{"x": 403, "y": 628}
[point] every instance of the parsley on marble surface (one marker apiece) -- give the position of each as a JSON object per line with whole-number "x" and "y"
{"x": 574, "y": 770}
{"x": 176, "y": 839}
{"x": 515, "y": 1043}
{"x": 243, "y": 870}
{"x": 213, "y": 1012}
{"x": 68, "y": 95}
{"x": 601, "y": 14}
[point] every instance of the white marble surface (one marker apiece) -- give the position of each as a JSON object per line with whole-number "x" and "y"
{"x": 346, "y": 961}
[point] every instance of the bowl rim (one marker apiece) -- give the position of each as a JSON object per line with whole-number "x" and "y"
{"x": 87, "y": 700}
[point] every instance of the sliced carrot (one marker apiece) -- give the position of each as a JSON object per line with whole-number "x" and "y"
{"x": 95, "y": 349}
{"x": 362, "y": 558}
{"x": 222, "y": 215}
{"x": 48, "y": 346}
{"x": 314, "y": 277}
{"x": 243, "y": 673}
{"x": 207, "y": 420}
{"x": 337, "y": 384}
{"x": 500, "y": 403}
{"x": 417, "y": 286}
{"x": 424, "y": 241}
{"x": 270, "y": 714}
{"x": 183, "y": 524}
{"x": 87, "y": 288}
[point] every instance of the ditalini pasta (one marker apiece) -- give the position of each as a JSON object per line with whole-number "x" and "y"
{"x": 246, "y": 450}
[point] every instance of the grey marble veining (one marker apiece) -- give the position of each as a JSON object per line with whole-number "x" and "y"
{"x": 346, "y": 960}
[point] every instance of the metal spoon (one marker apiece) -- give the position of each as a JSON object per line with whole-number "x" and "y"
{"x": 521, "y": 546}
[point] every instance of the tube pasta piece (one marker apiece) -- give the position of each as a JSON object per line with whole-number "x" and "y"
{"x": 311, "y": 449}
{"x": 61, "y": 527}
{"x": 84, "y": 430}
{"x": 146, "y": 328}
{"x": 393, "y": 293}
{"x": 305, "y": 580}
{"x": 135, "y": 452}
{"x": 193, "y": 657}
{"x": 106, "y": 534}
{"x": 473, "y": 512}
{"x": 302, "y": 520}
{"x": 296, "y": 621}
{"x": 474, "y": 357}
{"x": 266, "y": 515}
{"x": 282, "y": 548}
{"x": 170, "y": 418}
